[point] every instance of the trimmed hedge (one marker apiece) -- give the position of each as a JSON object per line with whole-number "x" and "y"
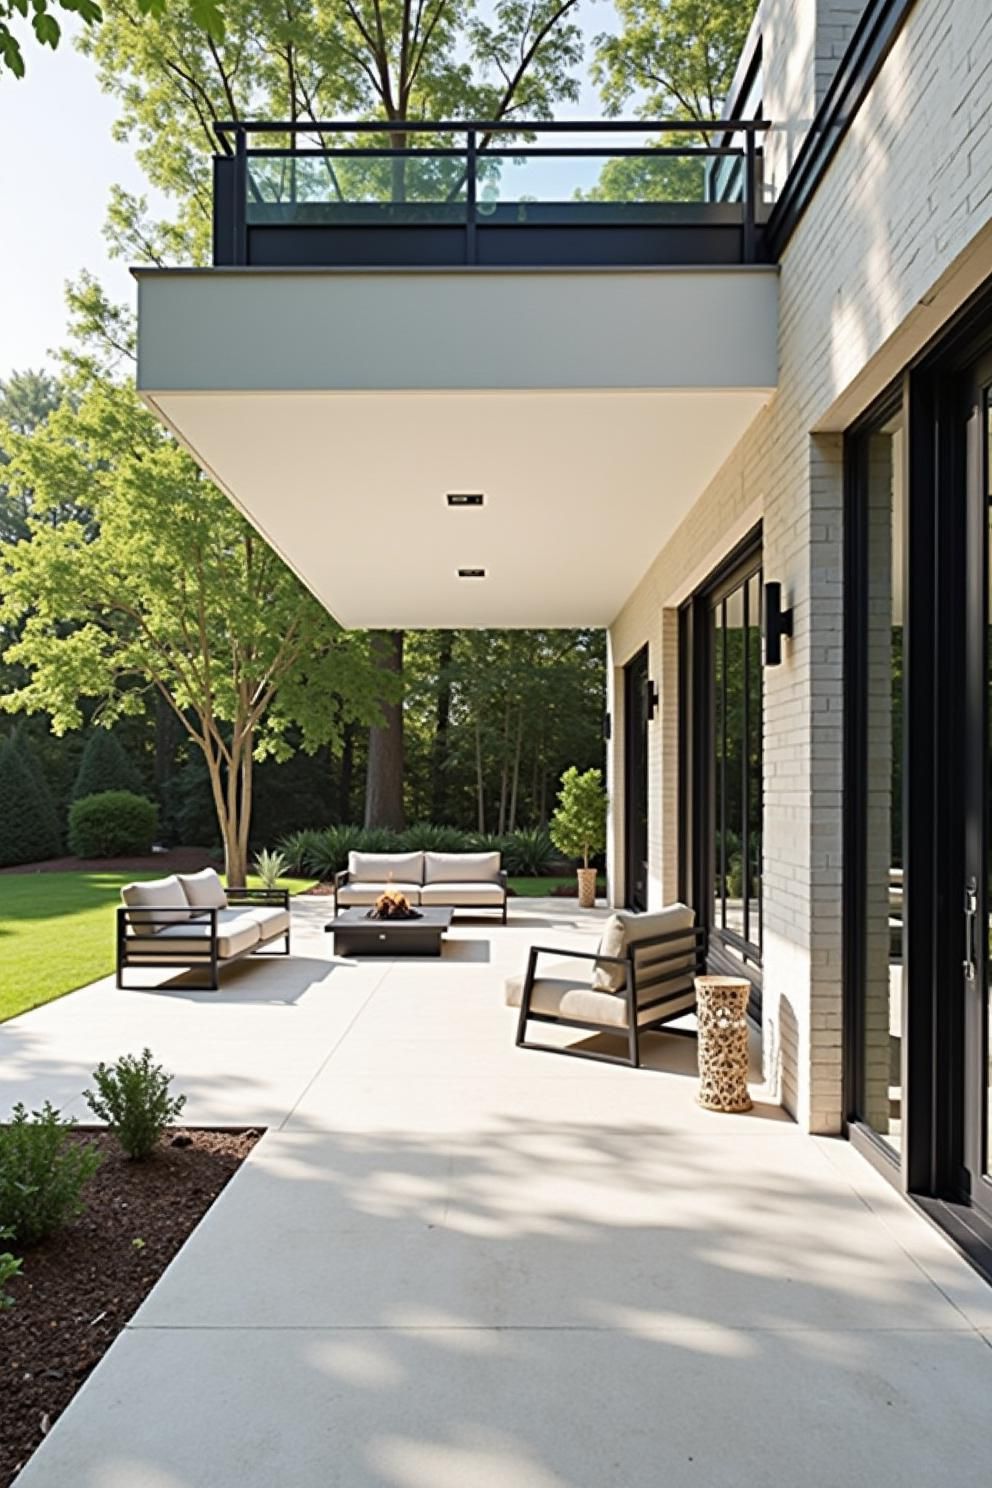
{"x": 30, "y": 827}
{"x": 112, "y": 824}
{"x": 106, "y": 766}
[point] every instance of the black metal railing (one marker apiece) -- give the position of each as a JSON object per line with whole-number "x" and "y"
{"x": 471, "y": 192}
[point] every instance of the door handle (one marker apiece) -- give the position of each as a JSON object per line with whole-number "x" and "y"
{"x": 970, "y": 916}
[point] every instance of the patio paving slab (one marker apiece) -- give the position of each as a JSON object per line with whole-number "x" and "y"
{"x": 453, "y": 1262}
{"x": 454, "y": 1407}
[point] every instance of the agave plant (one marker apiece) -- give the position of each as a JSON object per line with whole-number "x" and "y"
{"x": 271, "y": 867}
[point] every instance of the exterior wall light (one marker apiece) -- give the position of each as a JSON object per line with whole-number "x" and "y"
{"x": 649, "y": 698}
{"x": 777, "y": 623}
{"x": 471, "y": 573}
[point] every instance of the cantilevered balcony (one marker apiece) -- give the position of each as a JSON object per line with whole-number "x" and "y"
{"x": 553, "y": 327}
{"x": 448, "y": 195}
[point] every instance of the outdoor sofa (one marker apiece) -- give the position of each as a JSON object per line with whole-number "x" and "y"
{"x": 190, "y": 919}
{"x": 641, "y": 977}
{"x": 434, "y": 879}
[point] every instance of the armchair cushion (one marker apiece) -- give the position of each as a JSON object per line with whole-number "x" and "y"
{"x": 461, "y": 868}
{"x": 383, "y": 868}
{"x": 463, "y": 895}
{"x": 624, "y": 929}
{"x": 204, "y": 890}
{"x": 236, "y": 933}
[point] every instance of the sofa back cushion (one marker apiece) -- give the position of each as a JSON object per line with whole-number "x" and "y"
{"x": 156, "y": 893}
{"x": 461, "y": 868}
{"x": 624, "y": 929}
{"x": 204, "y": 890}
{"x": 366, "y": 867}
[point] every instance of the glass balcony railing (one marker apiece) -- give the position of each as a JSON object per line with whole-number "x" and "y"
{"x": 478, "y": 180}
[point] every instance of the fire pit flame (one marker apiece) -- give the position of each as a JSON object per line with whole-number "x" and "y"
{"x": 392, "y": 905}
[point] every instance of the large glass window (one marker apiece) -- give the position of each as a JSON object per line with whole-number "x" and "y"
{"x": 881, "y": 454}
{"x": 735, "y": 827}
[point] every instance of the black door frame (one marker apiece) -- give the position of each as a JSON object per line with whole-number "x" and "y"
{"x": 944, "y": 701}
{"x": 696, "y": 787}
{"x": 636, "y": 794}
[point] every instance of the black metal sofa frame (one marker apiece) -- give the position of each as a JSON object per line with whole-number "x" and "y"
{"x": 137, "y": 920}
{"x": 637, "y": 980}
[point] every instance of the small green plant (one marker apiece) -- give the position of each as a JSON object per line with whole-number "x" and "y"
{"x": 133, "y": 1099}
{"x": 10, "y": 1267}
{"x": 271, "y": 867}
{"x": 111, "y": 824}
{"x": 578, "y": 827}
{"x": 42, "y": 1173}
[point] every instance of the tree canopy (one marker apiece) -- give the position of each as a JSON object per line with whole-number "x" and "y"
{"x": 40, "y": 18}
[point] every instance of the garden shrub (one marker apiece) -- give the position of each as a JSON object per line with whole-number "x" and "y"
{"x": 42, "y": 1173}
{"x": 111, "y": 824}
{"x": 426, "y": 837}
{"x": 106, "y": 766}
{"x": 529, "y": 853}
{"x": 270, "y": 867}
{"x": 133, "y": 1099}
{"x": 31, "y": 755}
{"x": 30, "y": 832}
{"x": 299, "y": 849}
{"x": 9, "y": 1268}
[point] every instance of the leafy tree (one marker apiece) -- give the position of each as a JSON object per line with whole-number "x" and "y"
{"x": 29, "y": 835}
{"x": 675, "y": 59}
{"x": 578, "y": 827}
{"x": 47, "y": 30}
{"x": 106, "y": 766}
{"x": 26, "y": 400}
{"x": 169, "y": 593}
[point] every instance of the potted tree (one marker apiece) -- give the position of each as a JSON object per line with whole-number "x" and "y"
{"x": 578, "y": 827}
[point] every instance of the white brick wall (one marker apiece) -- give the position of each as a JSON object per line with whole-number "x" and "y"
{"x": 897, "y": 235}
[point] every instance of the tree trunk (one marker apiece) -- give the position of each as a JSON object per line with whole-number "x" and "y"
{"x": 347, "y": 775}
{"x": 515, "y": 781}
{"x": 384, "y": 776}
{"x": 479, "y": 785}
{"x": 504, "y": 774}
{"x": 439, "y": 755}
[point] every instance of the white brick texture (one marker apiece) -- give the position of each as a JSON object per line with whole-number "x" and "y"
{"x": 907, "y": 201}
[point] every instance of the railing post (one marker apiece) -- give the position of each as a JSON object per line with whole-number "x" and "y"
{"x": 471, "y": 183}
{"x": 750, "y": 187}
{"x": 241, "y": 197}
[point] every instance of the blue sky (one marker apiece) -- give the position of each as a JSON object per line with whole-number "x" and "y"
{"x": 57, "y": 164}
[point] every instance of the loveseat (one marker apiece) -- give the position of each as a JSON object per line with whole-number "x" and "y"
{"x": 428, "y": 879}
{"x": 190, "y": 919}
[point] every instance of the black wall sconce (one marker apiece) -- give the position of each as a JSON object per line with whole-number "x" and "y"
{"x": 778, "y": 623}
{"x": 607, "y": 726}
{"x": 649, "y": 699}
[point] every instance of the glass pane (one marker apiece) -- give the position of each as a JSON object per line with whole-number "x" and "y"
{"x": 719, "y": 859}
{"x": 884, "y": 927}
{"x": 988, "y": 777}
{"x": 754, "y": 785}
{"x": 319, "y": 190}
{"x": 734, "y": 761}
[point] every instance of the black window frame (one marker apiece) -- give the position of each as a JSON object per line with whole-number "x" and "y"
{"x": 726, "y": 952}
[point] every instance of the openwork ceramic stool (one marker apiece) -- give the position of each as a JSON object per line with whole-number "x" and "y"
{"x": 721, "y": 1015}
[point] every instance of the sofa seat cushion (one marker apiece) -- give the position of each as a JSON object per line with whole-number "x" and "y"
{"x": 272, "y": 920}
{"x": 463, "y": 895}
{"x": 461, "y": 868}
{"x": 156, "y": 894}
{"x": 352, "y": 894}
{"x": 625, "y": 929}
{"x": 236, "y": 932}
{"x": 204, "y": 890}
{"x": 387, "y": 868}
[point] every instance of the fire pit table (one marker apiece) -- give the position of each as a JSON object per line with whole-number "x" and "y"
{"x": 356, "y": 934}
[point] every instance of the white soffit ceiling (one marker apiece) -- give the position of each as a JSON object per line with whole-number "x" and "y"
{"x": 582, "y": 488}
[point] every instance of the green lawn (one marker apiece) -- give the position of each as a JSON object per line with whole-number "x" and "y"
{"x": 534, "y": 888}
{"x": 57, "y": 932}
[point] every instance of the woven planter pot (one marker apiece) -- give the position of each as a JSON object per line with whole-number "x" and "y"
{"x": 587, "y": 888}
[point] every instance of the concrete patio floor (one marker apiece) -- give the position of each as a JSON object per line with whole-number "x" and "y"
{"x": 454, "y": 1264}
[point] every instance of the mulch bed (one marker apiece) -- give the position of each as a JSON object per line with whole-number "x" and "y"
{"x": 175, "y": 860}
{"x": 79, "y": 1288}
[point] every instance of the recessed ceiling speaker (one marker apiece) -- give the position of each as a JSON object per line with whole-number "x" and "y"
{"x": 464, "y": 498}
{"x": 471, "y": 573}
